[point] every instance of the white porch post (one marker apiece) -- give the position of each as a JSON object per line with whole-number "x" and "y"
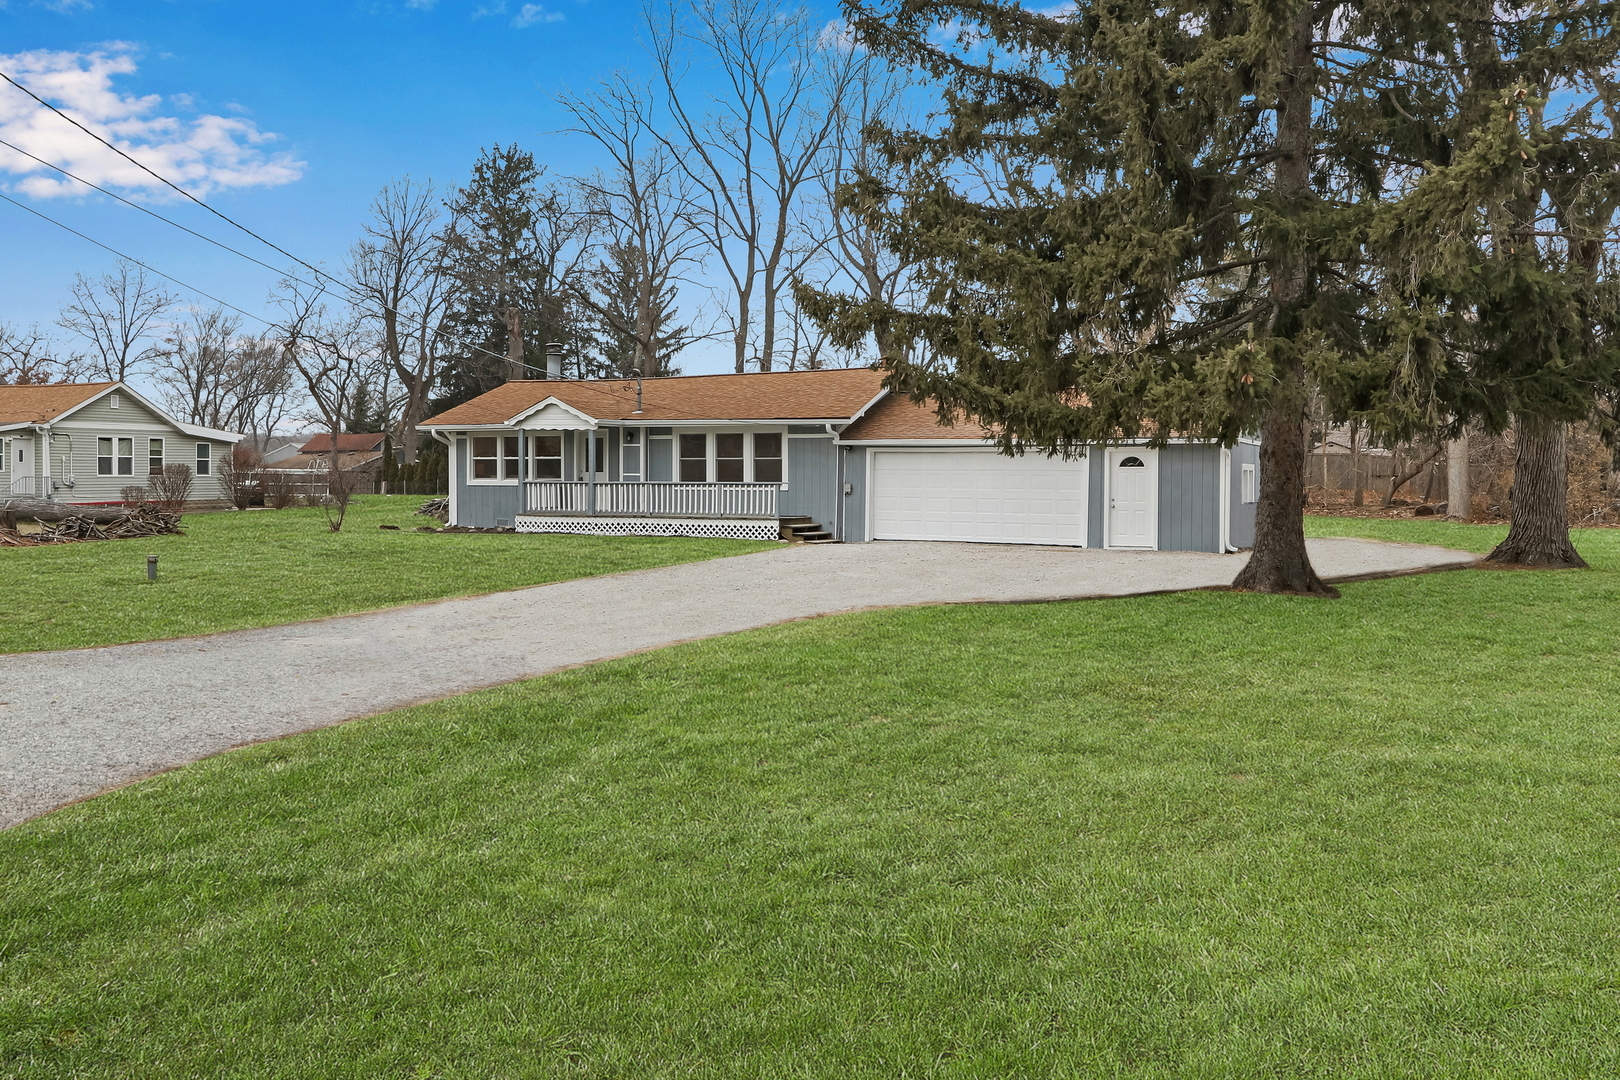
{"x": 590, "y": 471}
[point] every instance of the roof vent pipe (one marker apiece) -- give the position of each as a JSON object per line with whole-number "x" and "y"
{"x": 554, "y": 351}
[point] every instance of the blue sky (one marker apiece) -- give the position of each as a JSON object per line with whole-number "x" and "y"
{"x": 354, "y": 93}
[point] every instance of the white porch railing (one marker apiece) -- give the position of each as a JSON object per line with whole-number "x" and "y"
{"x": 646, "y": 499}
{"x": 21, "y": 485}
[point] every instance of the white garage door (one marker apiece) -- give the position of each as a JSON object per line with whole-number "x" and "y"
{"x": 977, "y": 495}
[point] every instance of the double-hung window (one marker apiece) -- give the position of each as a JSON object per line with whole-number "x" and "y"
{"x": 694, "y": 458}
{"x": 115, "y": 457}
{"x": 548, "y": 459}
{"x": 495, "y": 457}
{"x": 5, "y": 457}
{"x": 204, "y": 458}
{"x": 728, "y": 458}
{"x": 768, "y": 458}
{"x": 1251, "y": 484}
{"x": 154, "y": 457}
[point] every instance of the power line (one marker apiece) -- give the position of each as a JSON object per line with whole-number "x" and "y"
{"x": 137, "y": 262}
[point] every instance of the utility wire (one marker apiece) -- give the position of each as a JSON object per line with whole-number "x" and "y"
{"x": 137, "y": 262}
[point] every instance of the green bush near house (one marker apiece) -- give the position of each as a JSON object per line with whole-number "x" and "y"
{"x": 236, "y": 570}
{"x": 1197, "y": 835}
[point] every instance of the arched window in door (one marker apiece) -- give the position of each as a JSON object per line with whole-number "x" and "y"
{"x": 1133, "y": 463}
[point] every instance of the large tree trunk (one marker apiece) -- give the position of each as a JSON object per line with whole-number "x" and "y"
{"x": 1538, "y": 531}
{"x": 1280, "y": 563}
{"x": 1459, "y": 485}
{"x": 515, "y": 367}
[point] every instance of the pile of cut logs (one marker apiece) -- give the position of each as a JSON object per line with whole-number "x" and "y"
{"x": 60, "y": 524}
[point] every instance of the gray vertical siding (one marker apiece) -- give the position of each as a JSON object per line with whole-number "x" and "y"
{"x": 1242, "y": 515}
{"x": 482, "y": 506}
{"x": 1190, "y": 497}
{"x": 855, "y": 469}
{"x": 812, "y": 480}
{"x": 1095, "y": 458}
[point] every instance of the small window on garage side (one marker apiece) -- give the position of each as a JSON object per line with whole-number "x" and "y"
{"x": 694, "y": 458}
{"x": 509, "y": 456}
{"x": 204, "y": 458}
{"x": 154, "y": 457}
{"x": 768, "y": 458}
{"x": 486, "y": 459}
{"x": 126, "y": 457}
{"x": 547, "y": 456}
{"x": 1251, "y": 484}
{"x": 728, "y": 458}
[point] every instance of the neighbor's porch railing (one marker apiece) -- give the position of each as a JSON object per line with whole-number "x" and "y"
{"x": 647, "y": 499}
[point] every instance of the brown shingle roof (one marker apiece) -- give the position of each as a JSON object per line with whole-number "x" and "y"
{"x": 902, "y": 418}
{"x": 40, "y": 404}
{"x": 346, "y": 444}
{"x": 780, "y": 395}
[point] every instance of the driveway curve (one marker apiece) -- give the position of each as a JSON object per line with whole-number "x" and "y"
{"x": 77, "y": 722}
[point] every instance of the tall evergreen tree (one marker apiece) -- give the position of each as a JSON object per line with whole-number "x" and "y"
{"x": 1156, "y": 211}
{"x": 501, "y": 255}
{"x": 1503, "y": 254}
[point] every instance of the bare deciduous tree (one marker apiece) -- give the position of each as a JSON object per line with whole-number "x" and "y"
{"x": 211, "y": 374}
{"x": 118, "y": 314}
{"x": 758, "y": 150}
{"x": 399, "y": 279}
{"x": 648, "y": 239}
{"x": 29, "y": 357}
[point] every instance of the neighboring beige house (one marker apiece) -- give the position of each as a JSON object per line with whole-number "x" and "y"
{"x": 84, "y": 442}
{"x": 355, "y": 453}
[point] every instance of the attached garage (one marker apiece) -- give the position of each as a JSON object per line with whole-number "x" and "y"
{"x": 977, "y": 495}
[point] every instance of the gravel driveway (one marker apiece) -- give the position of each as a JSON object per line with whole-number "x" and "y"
{"x": 75, "y": 723}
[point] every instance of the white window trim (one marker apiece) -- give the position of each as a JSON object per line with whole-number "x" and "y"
{"x": 1249, "y": 475}
{"x": 133, "y": 457}
{"x": 162, "y": 455}
{"x": 204, "y": 463}
{"x": 501, "y": 480}
{"x": 531, "y": 438}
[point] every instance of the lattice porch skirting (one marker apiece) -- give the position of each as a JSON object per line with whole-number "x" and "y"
{"x": 727, "y": 528}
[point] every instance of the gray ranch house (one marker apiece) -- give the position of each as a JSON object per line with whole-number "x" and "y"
{"x": 81, "y": 443}
{"x": 826, "y": 453}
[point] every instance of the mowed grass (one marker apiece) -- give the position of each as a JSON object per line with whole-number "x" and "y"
{"x": 1196, "y": 835}
{"x": 260, "y": 568}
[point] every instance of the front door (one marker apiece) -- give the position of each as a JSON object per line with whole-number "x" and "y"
{"x": 585, "y": 449}
{"x": 21, "y": 466}
{"x": 1133, "y": 498}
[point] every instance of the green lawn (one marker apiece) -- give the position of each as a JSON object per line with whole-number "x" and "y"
{"x": 260, "y": 568}
{"x": 1198, "y": 835}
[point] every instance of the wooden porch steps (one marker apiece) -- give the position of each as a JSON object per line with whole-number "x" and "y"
{"x": 804, "y": 530}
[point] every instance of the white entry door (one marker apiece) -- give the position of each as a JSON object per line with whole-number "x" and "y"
{"x": 21, "y": 466}
{"x": 979, "y": 496}
{"x": 1133, "y": 498}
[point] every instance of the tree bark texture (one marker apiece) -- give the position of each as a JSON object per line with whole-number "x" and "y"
{"x": 1459, "y": 486}
{"x": 1279, "y": 563}
{"x": 1538, "y": 530}
{"x": 49, "y": 510}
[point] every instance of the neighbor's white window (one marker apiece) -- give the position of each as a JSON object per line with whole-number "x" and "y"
{"x": 154, "y": 457}
{"x": 203, "y": 459}
{"x": 1251, "y": 484}
{"x": 115, "y": 457}
{"x": 548, "y": 460}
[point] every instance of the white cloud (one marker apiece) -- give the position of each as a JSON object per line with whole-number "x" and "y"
{"x": 529, "y": 14}
{"x": 65, "y": 6}
{"x": 202, "y": 153}
{"x": 421, "y": 5}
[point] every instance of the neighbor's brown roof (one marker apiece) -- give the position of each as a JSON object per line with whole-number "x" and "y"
{"x": 346, "y": 444}
{"x": 780, "y": 395}
{"x": 902, "y": 418}
{"x": 41, "y": 404}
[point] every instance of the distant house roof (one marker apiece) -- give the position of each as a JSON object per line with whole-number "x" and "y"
{"x": 900, "y": 418}
{"x": 42, "y": 404}
{"x": 828, "y": 394}
{"x": 20, "y": 405}
{"x": 346, "y": 444}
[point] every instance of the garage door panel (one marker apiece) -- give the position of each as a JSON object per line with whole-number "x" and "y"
{"x": 977, "y": 496}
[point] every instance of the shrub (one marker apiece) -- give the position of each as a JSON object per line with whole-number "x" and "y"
{"x": 172, "y": 487}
